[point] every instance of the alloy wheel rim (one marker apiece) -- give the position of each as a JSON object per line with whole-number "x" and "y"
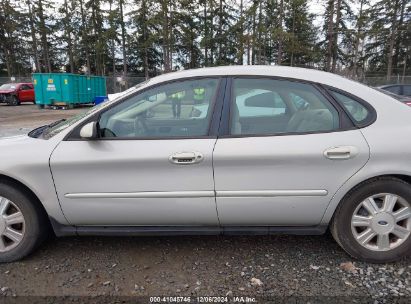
{"x": 382, "y": 222}
{"x": 12, "y": 225}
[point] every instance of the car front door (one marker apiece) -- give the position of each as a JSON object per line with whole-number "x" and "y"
{"x": 285, "y": 165}
{"x": 24, "y": 92}
{"x": 152, "y": 162}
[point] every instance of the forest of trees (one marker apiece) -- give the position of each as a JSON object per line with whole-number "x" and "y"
{"x": 355, "y": 38}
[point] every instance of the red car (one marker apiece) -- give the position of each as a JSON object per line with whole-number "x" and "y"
{"x": 15, "y": 93}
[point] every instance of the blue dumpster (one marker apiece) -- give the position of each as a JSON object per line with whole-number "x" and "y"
{"x": 67, "y": 89}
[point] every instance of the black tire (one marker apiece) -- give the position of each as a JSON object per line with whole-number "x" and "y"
{"x": 341, "y": 223}
{"x": 36, "y": 225}
{"x": 14, "y": 101}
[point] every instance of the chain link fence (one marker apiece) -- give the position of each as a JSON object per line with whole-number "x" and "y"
{"x": 120, "y": 84}
{"x": 4, "y": 80}
{"x": 381, "y": 80}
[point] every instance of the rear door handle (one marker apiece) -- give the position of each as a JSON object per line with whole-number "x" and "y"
{"x": 186, "y": 158}
{"x": 341, "y": 152}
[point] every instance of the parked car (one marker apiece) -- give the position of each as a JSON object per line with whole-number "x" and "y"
{"x": 321, "y": 153}
{"x": 15, "y": 93}
{"x": 403, "y": 99}
{"x": 244, "y": 106}
{"x": 399, "y": 89}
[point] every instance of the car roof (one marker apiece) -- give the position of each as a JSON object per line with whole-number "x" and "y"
{"x": 254, "y": 70}
{"x": 377, "y": 99}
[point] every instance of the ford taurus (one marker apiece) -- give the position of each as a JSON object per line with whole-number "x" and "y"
{"x": 228, "y": 150}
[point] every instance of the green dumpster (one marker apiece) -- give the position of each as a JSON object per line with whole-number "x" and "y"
{"x": 64, "y": 89}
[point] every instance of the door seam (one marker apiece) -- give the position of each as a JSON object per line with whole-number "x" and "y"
{"x": 54, "y": 183}
{"x": 215, "y": 143}
{"x": 215, "y": 192}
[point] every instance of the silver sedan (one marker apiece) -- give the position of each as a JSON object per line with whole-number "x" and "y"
{"x": 228, "y": 150}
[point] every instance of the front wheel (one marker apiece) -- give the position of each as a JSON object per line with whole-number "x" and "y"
{"x": 373, "y": 221}
{"x": 14, "y": 101}
{"x": 22, "y": 226}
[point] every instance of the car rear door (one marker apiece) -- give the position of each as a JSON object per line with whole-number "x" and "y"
{"x": 151, "y": 165}
{"x": 283, "y": 174}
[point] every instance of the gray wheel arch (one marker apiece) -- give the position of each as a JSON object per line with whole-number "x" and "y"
{"x": 4, "y": 179}
{"x": 351, "y": 185}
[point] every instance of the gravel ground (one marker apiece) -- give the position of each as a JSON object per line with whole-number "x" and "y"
{"x": 22, "y": 119}
{"x": 273, "y": 266}
{"x": 304, "y": 266}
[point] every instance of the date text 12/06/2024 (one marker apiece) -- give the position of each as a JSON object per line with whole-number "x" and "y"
{"x": 203, "y": 299}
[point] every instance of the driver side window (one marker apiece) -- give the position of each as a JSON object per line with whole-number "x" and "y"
{"x": 179, "y": 109}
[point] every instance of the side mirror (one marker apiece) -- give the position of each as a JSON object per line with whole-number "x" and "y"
{"x": 89, "y": 131}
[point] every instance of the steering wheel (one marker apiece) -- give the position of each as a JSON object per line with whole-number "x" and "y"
{"x": 140, "y": 126}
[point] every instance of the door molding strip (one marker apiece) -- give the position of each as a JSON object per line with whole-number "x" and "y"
{"x": 155, "y": 194}
{"x": 270, "y": 193}
{"x": 196, "y": 194}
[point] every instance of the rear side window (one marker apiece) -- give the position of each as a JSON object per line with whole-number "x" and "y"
{"x": 407, "y": 90}
{"x": 357, "y": 111}
{"x": 271, "y": 106}
{"x": 299, "y": 103}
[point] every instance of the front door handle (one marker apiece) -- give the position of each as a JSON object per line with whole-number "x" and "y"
{"x": 341, "y": 152}
{"x": 186, "y": 158}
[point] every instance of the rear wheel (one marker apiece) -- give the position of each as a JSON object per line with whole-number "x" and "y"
{"x": 22, "y": 226}
{"x": 373, "y": 222}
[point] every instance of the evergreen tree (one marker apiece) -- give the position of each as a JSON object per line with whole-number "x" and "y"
{"x": 144, "y": 52}
{"x": 301, "y": 47}
{"x": 147, "y": 37}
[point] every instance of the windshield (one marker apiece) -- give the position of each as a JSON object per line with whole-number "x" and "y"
{"x": 55, "y": 129}
{"x": 8, "y": 86}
